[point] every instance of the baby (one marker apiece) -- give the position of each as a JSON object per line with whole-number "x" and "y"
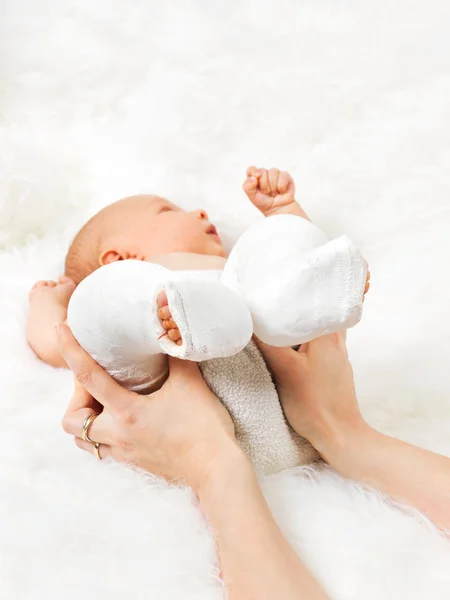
{"x": 147, "y": 228}
{"x": 114, "y": 316}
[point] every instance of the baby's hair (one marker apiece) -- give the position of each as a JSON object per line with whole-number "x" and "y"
{"x": 82, "y": 257}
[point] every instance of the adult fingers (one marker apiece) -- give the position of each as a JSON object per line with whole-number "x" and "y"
{"x": 105, "y": 451}
{"x": 82, "y": 399}
{"x": 90, "y": 374}
{"x": 183, "y": 369}
{"x": 100, "y": 429}
{"x": 322, "y": 344}
{"x": 281, "y": 361}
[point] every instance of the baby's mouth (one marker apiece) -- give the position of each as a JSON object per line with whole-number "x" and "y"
{"x": 212, "y": 231}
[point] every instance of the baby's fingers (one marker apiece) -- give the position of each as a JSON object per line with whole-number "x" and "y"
{"x": 284, "y": 180}
{"x": 250, "y": 186}
{"x": 264, "y": 183}
{"x": 273, "y": 180}
{"x": 253, "y": 172}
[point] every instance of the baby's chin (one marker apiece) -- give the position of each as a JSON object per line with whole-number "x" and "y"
{"x": 216, "y": 249}
{"x": 220, "y": 252}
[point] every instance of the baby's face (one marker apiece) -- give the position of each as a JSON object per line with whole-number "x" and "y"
{"x": 160, "y": 227}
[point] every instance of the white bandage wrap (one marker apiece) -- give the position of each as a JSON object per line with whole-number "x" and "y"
{"x": 214, "y": 321}
{"x": 296, "y": 284}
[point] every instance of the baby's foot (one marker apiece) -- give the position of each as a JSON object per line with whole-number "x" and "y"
{"x": 65, "y": 288}
{"x": 167, "y": 321}
{"x": 272, "y": 192}
{"x": 367, "y": 288}
{"x": 48, "y": 305}
{"x": 53, "y": 293}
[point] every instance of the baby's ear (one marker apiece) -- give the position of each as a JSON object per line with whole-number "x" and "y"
{"x": 109, "y": 256}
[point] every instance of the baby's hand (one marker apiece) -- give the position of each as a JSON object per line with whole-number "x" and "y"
{"x": 271, "y": 191}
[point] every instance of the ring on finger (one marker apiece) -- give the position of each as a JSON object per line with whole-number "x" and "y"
{"x": 86, "y": 424}
{"x": 97, "y": 450}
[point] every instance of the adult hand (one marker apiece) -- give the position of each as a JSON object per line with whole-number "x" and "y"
{"x": 183, "y": 432}
{"x": 317, "y": 392}
{"x": 178, "y": 432}
{"x": 316, "y": 389}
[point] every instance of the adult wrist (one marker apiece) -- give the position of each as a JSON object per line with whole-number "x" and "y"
{"x": 225, "y": 466}
{"x": 338, "y": 442}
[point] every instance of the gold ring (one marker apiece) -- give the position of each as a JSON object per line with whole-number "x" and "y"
{"x": 87, "y": 423}
{"x": 97, "y": 451}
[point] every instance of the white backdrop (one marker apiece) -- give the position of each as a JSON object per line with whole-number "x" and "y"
{"x": 102, "y": 99}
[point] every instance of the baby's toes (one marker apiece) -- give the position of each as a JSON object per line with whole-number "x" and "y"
{"x": 64, "y": 279}
{"x": 162, "y": 299}
{"x": 65, "y": 288}
{"x": 41, "y": 284}
{"x": 167, "y": 320}
{"x": 164, "y": 314}
{"x": 163, "y": 309}
{"x": 175, "y": 336}
{"x": 169, "y": 324}
{"x": 367, "y": 288}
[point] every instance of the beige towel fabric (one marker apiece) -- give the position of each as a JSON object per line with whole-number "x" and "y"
{"x": 244, "y": 385}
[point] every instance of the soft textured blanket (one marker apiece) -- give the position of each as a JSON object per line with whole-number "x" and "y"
{"x": 244, "y": 385}
{"x": 99, "y": 100}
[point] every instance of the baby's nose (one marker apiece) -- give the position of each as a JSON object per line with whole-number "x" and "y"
{"x": 202, "y": 214}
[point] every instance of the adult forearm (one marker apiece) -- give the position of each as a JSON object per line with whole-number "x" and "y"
{"x": 420, "y": 477}
{"x": 256, "y": 560}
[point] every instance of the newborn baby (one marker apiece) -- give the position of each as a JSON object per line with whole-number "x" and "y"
{"x": 151, "y": 229}
{"x": 146, "y": 228}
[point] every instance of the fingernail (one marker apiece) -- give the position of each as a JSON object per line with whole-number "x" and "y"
{"x": 252, "y": 178}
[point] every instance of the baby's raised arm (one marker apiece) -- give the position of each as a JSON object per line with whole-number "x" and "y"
{"x": 272, "y": 192}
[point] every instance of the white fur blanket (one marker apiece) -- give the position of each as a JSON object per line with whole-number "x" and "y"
{"x": 102, "y": 99}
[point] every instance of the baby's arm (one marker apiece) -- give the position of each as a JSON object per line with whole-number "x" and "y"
{"x": 48, "y": 305}
{"x": 272, "y": 192}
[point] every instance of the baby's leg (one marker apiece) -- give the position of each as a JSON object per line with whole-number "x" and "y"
{"x": 114, "y": 315}
{"x": 200, "y": 318}
{"x": 48, "y": 305}
{"x": 273, "y": 193}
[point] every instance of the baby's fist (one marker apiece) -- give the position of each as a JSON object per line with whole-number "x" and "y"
{"x": 271, "y": 191}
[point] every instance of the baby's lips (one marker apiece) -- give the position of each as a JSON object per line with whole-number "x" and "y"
{"x": 212, "y": 230}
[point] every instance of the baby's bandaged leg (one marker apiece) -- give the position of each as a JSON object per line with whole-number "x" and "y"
{"x": 297, "y": 285}
{"x": 213, "y": 320}
{"x": 113, "y": 315}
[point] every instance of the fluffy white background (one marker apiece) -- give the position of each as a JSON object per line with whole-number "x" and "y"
{"x": 100, "y": 99}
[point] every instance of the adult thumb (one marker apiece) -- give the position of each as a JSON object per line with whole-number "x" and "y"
{"x": 183, "y": 369}
{"x": 281, "y": 361}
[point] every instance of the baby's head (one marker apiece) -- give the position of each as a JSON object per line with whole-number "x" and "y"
{"x": 140, "y": 228}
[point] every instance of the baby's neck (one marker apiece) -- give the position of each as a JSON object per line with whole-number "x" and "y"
{"x": 186, "y": 261}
